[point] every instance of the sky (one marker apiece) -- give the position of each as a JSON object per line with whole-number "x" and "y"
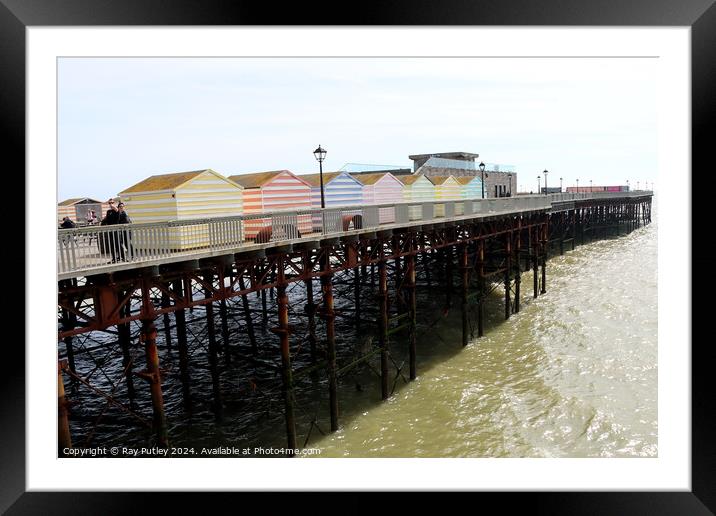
{"x": 121, "y": 120}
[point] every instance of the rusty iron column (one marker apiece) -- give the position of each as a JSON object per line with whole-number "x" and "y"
{"x": 535, "y": 246}
{"x": 356, "y": 295}
{"x": 518, "y": 268}
{"x": 310, "y": 308}
{"x": 153, "y": 376}
{"x": 223, "y": 316}
{"x": 447, "y": 256}
{"x": 398, "y": 274}
{"x": 211, "y": 334}
{"x": 329, "y": 316}
{"x": 64, "y": 439}
{"x": 180, "y": 320}
{"x": 166, "y": 321}
{"x": 124, "y": 337}
{"x": 574, "y": 228}
{"x": 69, "y": 321}
{"x": 410, "y": 277}
{"x": 508, "y": 266}
{"x": 283, "y": 332}
{"x": 247, "y": 317}
{"x": 465, "y": 270}
{"x": 481, "y": 287}
{"x": 544, "y": 258}
{"x": 383, "y": 333}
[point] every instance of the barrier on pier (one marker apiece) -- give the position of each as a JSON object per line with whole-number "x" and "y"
{"x": 88, "y": 248}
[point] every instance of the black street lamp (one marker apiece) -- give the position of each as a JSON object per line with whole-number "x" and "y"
{"x": 577, "y": 185}
{"x": 509, "y": 178}
{"x": 590, "y": 185}
{"x": 560, "y": 185}
{"x": 627, "y": 185}
{"x": 538, "y": 188}
{"x": 545, "y": 182}
{"x": 320, "y": 156}
{"x": 482, "y": 176}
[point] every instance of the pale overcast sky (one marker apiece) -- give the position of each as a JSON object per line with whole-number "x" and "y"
{"x": 122, "y": 120}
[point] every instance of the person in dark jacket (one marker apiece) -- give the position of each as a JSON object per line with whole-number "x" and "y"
{"x": 125, "y": 237}
{"x": 110, "y": 240}
{"x": 67, "y": 223}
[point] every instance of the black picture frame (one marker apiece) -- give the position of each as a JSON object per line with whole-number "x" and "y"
{"x": 700, "y": 15}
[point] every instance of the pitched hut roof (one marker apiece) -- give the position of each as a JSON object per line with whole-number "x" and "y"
{"x": 77, "y": 200}
{"x": 409, "y": 180}
{"x": 370, "y": 179}
{"x": 257, "y": 179}
{"x": 315, "y": 179}
{"x": 165, "y": 181}
{"x": 439, "y": 180}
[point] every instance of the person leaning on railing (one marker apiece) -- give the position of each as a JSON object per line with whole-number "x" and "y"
{"x": 66, "y": 224}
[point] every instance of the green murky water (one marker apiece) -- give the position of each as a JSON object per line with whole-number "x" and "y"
{"x": 574, "y": 374}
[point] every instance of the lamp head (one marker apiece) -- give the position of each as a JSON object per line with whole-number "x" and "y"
{"x": 320, "y": 153}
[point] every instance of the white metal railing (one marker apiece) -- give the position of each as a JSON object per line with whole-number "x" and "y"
{"x": 95, "y": 247}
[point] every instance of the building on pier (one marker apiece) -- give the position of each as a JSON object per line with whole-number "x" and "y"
{"x": 271, "y": 191}
{"x": 471, "y": 187}
{"x": 197, "y": 194}
{"x": 417, "y": 188}
{"x": 339, "y": 189}
{"x": 77, "y": 207}
{"x": 499, "y": 179}
{"x": 590, "y": 189}
{"x": 381, "y": 188}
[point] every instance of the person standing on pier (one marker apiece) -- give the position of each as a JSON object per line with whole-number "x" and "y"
{"x": 110, "y": 240}
{"x": 125, "y": 237}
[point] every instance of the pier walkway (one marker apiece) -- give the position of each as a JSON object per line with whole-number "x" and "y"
{"x": 113, "y": 278}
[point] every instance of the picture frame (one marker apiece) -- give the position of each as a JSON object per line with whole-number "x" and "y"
{"x": 17, "y": 15}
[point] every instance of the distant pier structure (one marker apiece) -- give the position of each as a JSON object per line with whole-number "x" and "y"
{"x": 376, "y": 254}
{"x": 499, "y": 179}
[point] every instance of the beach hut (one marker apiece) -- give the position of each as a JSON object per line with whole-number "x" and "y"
{"x": 198, "y": 194}
{"x": 417, "y": 188}
{"x": 471, "y": 187}
{"x": 339, "y": 189}
{"x": 77, "y": 207}
{"x": 381, "y": 188}
{"x": 447, "y": 188}
{"x": 272, "y": 191}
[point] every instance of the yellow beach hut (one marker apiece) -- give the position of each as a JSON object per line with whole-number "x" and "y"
{"x": 471, "y": 187}
{"x": 416, "y": 189}
{"x": 447, "y": 188}
{"x": 181, "y": 196}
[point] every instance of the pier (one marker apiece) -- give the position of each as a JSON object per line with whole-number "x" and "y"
{"x": 281, "y": 272}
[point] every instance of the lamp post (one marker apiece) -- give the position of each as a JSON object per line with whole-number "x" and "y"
{"x": 590, "y": 185}
{"x": 320, "y": 156}
{"x": 560, "y": 185}
{"x": 627, "y": 185}
{"x": 545, "y": 182}
{"x": 637, "y": 185}
{"x": 538, "y": 188}
{"x": 482, "y": 176}
{"x": 509, "y": 178}
{"x": 577, "y": 185}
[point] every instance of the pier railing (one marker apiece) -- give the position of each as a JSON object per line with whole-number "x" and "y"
{"x": 97, "y": 248}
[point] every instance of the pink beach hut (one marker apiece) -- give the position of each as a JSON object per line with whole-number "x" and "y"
{"x": 381, "y": 188}
{"x": 276, "y": 191}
